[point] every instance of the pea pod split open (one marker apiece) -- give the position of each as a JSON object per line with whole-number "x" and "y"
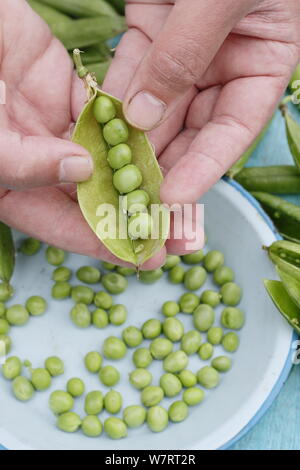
{"x": 7, "y": 253}
{"x": 289, "y": 310}
{"x": 286, "y": 256}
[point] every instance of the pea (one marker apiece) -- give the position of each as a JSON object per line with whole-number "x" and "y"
{"x": 175, "y": 362}
{"x": 55, "y": 366}
{"x": 109, "y": 376}
{"x": 114, "y": 283}
{"x": 81, "y": 316}
{"x": 190, "y": 342}
{"x": 82, "y": 295}
{"x": 68, "y": 422}
{"x": 193, "y": 396}
{"x": 100, "y": 318}
{"x": 221, "y": 363}
{"x": 132, "y": 336}
{"x": 40, "y": 379}
{"x": 188, "y": 302}
{"x": 203, "y": 317}
{"x": 91, "y": 426}
{"x": 161, "y": 348}
{"x": 119, "y": 156}
{"x": 12, "y": 368}
{"x": 93, "y": 362}
{"x": 115, "y": 428}
{"x": 170, "y": 384}
{"x": 231, "y": 294}
{"x": 178, "y": 411}
{"x": 113, "y": 402}
{"x": 206, "y": 351}
{"x": 17, "y": 315}
{"x": 140, "y": 226}
{"x": 134, "y": 416}
{"x": 126, "y": 271}
{"x": 115, "y": 132}
{"x": 150, "y": 277}
{"x": 151, "y": 328}
{"x": 187, "y": 378}
{"x": 104, "y": 109}
{"x": 103, "y": 300}
{"x": 176, "y": 275}
{"x": 117, "y": 314}
{"x": 61, "y": 274}
{"x": 30, "y": 246}
{"x": 171, "y": 262}
{"x": 4, "y": 326}
{"x": 2, "y": 309}
{"x": 152, "y": 395}
{"x": 75, "y": 387}
{"x": 210, "y": 297}
{"x": 233, "y": 318}
{"x": 215, "y": 335}
{"x": 142, "y": 358}
{"x": 173, "y": 329}
{"x": 55, "y": 256}
{"x": 108, "y": 266}
{"x": 157, "y": 418}
{"x": 194, "y": 278}
{"x": 60, "y": 402}
{"x": 213, "y": 260}
{"x": 6, "y": 292}
{"x": 36, "y": 305}
{"x": 93, "y": 404}
{"x": 193, "y": 258}
{"x": 170, "y": 308}
{"x": 88, "y": 275}
{"x": 5, "y": 345}
{"x": 223, "y": 274}
{"x": 22, "y": 388}
{"x": 61, "y": 290}
{"x": 114, "y": 348}
{"x": 140, "y": 378}
{"x": 136, "y": 201}
{"x": 208, "y": 377}
{"x": 127, "y": 179}
{"x": 230, "y": 342}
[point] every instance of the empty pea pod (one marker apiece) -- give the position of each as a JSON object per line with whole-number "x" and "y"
{"x": 7, "y": 253}
{"x": 286, "y": 256}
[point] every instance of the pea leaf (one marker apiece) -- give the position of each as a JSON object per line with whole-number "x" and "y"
{"x": 288, "y": 309}
{"x": 293, "y": 137}
{"x": 7, "y": 253}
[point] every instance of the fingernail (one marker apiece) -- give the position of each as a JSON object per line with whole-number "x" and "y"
{"x": 75, "y": 169}
{"x": 145, "y": 111}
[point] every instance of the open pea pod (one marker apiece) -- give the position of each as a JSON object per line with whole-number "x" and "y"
{"x": 291, "y": 285}
{"x": 7, "y": 253}
{"x": 286, "y": 256}
{"x": 293, "y": 136}
{"x": 288, "y": 309}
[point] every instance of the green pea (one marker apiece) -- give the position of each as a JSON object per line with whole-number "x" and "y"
{"x": 4, "y": 326}
{"x": 190, "y": 342}
{"x": 60, "y": 402}
{"x": 140, "y": 226}
{"x": 93, "y": 362}
{"x": 151, "y": 328}
{"x": 104, "y": 109}
{"x": 231, "y": 294}
{"x": 221, "y": 363}
{"x": 171, "y": 262}
{"x": 140, "y": 378}
{"x": 40, "y": 379}
{"x": 127, "y": 179}
{"x": 55, "y": 366}
{"x": 136, "y": 201}
{"x": 100, "y": 318}
{"x": 6, "y": 292}
{"x": 175, "y": 362}
{"x": 150, "y": 277}
{"x": 61, "y": 274}
{"x": 203, "y": 317}
{"x": 193, "y": 258}
{"x": 36, "y": 305}
{"x": 12, "y": 368}
{"x": 81, "y": 316}
{"x": 142, "y": 358}
{"x": 152, "y": 395}
{"x": 193, "y": 396}
{"x": 230, "y": 342}
{"x": 126, "y": 271}
{"x": 170, "y": 308}
{"x": 132, "y": 336}
{"x": 157, "y": 418}
{"x": 22, "y": 388}
{"x": 134, "y": 416}
{"x": 109, "y": 376}
{"x": 75, "y": 387}
{"x": 170, "y": 384}
{"x": 55, "y": 256}
{"x": 117, "y": 314}
{"x": 194, "y": 278}
{"x": 115, "y": 428}
{"x": 5, "y": 345}
{"x": 173, "y": 329}
{"x": 161, "y": 348}
{"x": 68, "y": 422}
{"x": 119, "y": 156}
{"x": 2, "y": 309}
{"x": 215, "y": 335}
{"x": 114, "y": 283}
{"x": 17, "y": 315}
{"x": 114, "y": 348}
{"x": 206, "y": 351}
{"x": 176, "y": 275}
{"x": 88, "y": 274}
{"x": 30, "y": 246}
{"x": 93, "y": 404}
{"x": 213, "y": 260}
{"x": 208, "y": 377}
{"x": 103, "y": 300}
{"x": 61, "y": 290}
{"x": 188, "y": 302}
{"x": 233, "y": 318}
{"x": 115, "y": 132}
{"x": 82, "y": 295}
{"x": 91, "y": 426}
{"x": 223, "y": 274}
{"x": 108, "y": 266}
{"x": 113, "y": 402}
{"x": 187, "y": 378}
{"x": 210, "y": 297}
{"x": 178, "y": 411}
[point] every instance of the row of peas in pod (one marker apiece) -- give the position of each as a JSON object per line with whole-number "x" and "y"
{"x": 127, "y": 177}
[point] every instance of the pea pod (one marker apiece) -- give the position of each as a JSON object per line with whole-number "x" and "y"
{"x": 280, "y": 179}
{"x": 96, "y": 54}
{"x": 81, "y": 8}
{"x": 284, "y": 303}
{"x": 99, "y": 70}
{"x": 119, "y": 5}
{"x": 7, "y": 253}
{"x": 291, "y": 285}
{"x": 286, "y": 256}
{"x": 99, "y": 190}
{"x": 293, "y": 135}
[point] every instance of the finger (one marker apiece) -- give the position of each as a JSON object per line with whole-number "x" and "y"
{"x": 186, "y": 233}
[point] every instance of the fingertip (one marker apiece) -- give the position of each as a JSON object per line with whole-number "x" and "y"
{"x": 156, "y": 261}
